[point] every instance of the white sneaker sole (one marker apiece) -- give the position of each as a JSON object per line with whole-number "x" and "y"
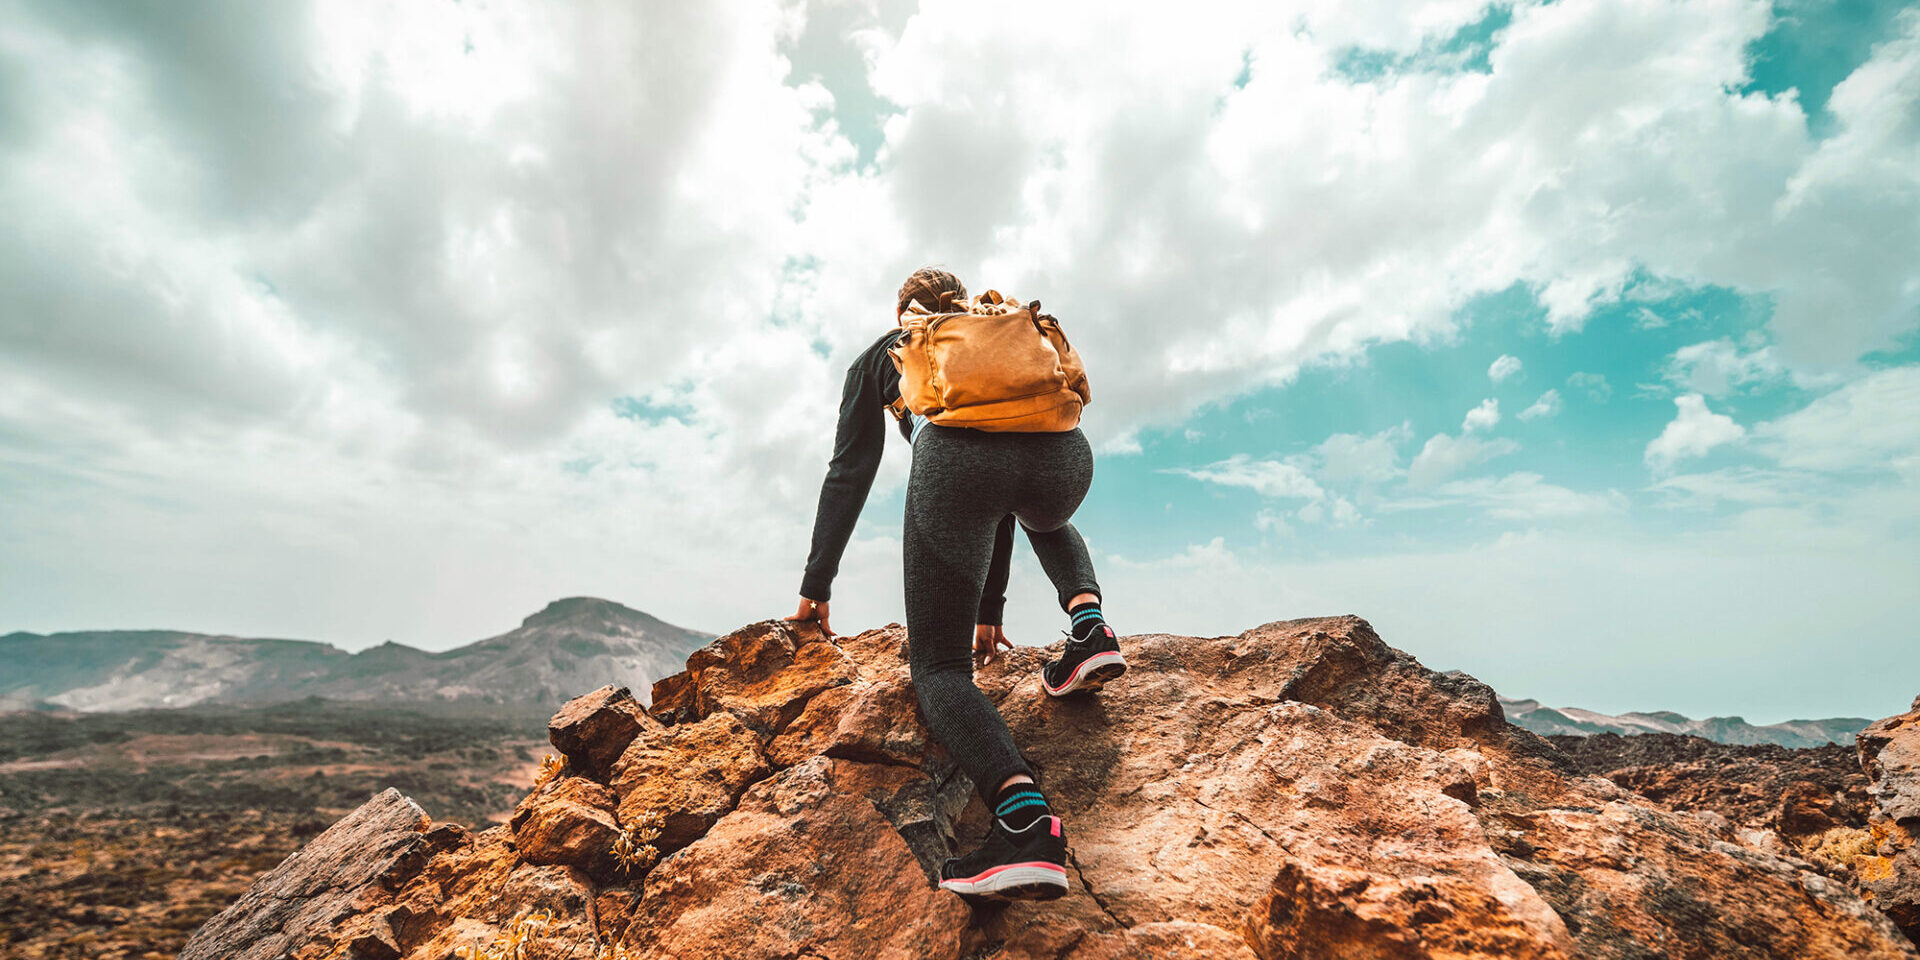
{"x": 1019, "y": 881}
{"x": 1092, "y": 674}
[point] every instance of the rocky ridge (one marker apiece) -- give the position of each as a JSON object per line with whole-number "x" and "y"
{"x": 1298, "y": 790}
{"x": 1796, "y": 792}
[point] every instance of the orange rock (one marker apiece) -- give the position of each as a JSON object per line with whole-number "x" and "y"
{"x": 1173, "y": 940}
{"x": 869, "y": 720}
{"x": 1890, "y": 754}
{"x": 763, "y": 673}
{"x": 801, "y": 868}
{"x": 592, "y": 731}
{"x": 779, "y": 669}
{"x": 673, "y": 699}
{"x": 569, "y": 821}
{"x": 814, "y": 730}
{"x": 688, "y": 775}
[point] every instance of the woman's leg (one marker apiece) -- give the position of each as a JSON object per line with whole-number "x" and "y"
{"x": 948, "y": 536}
{"x": 1057, "y": 479}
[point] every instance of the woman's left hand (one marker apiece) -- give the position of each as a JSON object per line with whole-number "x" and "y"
{"x": 813, "y": 610}
{"x": 987, "y": 637}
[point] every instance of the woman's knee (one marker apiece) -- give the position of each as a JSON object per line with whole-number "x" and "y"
{"x": 927, "y": 670}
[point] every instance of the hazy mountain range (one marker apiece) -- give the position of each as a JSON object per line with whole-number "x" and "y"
{"x": 1574, "y": 721}
{"x": 572, "y": 646}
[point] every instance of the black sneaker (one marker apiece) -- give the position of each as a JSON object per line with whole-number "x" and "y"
{"x": 1029, "y": 864}
{"x": 1087, "y": 665}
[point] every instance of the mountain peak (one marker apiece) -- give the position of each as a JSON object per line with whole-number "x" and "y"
{"x": 575, "y": 608}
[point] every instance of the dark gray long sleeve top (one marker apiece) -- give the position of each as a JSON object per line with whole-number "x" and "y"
{"x": 872, "y": 383}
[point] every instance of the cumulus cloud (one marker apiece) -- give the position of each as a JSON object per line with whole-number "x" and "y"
{"x": 1547, "y": 406}
{"x": 1337, "y": 511}
{"x": 1482, "y": 418}
{"x": 425, "y": 249}
{"x": 1268, "y": 478}
{"x": 1274, "y": 522}
{"x": 1506, "y": 366}
{"x": 1716, "y": 368}
{"x": 1445, "y": 455}
{"x": 1693, "y": 432}
{"x": 1868, "y": 425}
{"x": 1360, "y": 459}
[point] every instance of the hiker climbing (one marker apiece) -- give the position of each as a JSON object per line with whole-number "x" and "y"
{"x": 989, "y": 393}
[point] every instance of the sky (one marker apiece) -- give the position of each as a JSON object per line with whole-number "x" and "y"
{"x": 1571, "y": 344}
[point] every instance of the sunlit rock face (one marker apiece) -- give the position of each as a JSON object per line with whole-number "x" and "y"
{"x": 1299, "y": 790}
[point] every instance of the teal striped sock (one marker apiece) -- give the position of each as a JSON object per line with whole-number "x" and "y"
{"x": 1019, "y": 805}
{"x": 1087, "y": 620}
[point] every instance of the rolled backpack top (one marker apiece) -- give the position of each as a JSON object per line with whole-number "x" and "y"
{"x": 998, "y": 365}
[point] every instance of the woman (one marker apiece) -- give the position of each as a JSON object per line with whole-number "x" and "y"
{"x": 966, "y": 488}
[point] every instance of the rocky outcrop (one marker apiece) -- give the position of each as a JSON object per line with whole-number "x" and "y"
{"x": 1890, "y": 871}
{"x": 1299, "y": 790}
{"x": 1798, "y": 792}
{"x": 358, "y": 861}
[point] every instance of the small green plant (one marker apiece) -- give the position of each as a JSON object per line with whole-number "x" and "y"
{"x": 633, "y": 849}
{"x": 513, "y": 942}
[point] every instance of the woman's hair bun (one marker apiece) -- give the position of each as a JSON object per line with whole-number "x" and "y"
{"x": 934, "y": 288}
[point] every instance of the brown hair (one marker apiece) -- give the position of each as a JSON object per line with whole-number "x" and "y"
{"x": 936, "y": 289}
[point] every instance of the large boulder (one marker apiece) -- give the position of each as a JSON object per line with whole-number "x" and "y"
{"x": 1299, "y": 790}
{"x": 326, "y": 884}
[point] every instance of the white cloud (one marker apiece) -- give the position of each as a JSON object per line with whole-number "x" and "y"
{"x": 1214, "y": 556}
{"x": 1870, "y": 424}
{"x": 1269, "y": 521}
{"x": 1693, "y": 432}
{"x": 1506, "y": 366}
{"x": 1594, "y": 385}
{"x": 1445, "y": 455}
{"x": 1516, "y": 496}
{"x": 1739, "y": 485}
{"x": 1716, "y": 368}
{"x": 1338, "y": 512}
{"x": 1547, "y": 406}
{"x": 1484, "y": 417}
{"x": 1362, "y": 459}
{"x": 414, "y": 303}
{"x": 1269, "y": 478}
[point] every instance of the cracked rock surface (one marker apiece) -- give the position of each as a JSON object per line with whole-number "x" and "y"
{"x": 1299, "y": 790}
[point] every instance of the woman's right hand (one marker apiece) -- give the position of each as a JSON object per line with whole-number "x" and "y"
{"x": 987, "y": 639}
{"x": 813, "y": 610}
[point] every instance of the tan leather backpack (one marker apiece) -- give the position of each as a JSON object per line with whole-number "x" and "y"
{"x": 999, "y": 365}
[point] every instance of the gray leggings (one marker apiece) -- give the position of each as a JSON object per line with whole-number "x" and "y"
{"x": 963, "y": 483}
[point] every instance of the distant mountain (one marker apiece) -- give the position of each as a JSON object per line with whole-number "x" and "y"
{"x": 575, "y": 644}
{"x": 1573, "y": 721}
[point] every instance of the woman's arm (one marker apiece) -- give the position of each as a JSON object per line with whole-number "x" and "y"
{"x": 993, "y": 599}
{"x": 857, "y": 445}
